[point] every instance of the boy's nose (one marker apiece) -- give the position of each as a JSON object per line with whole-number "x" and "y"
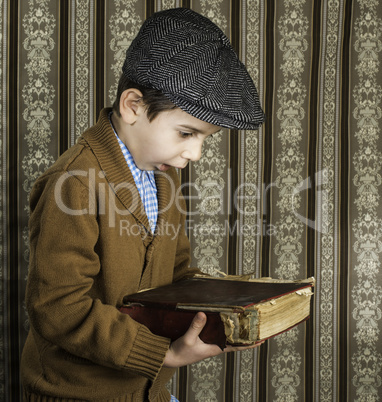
{"x": 193, "y": 153}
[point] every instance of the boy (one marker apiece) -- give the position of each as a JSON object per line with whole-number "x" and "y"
{"x": 107, "y": 218}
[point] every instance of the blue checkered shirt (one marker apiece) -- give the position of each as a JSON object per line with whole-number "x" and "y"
{"x": 145, "y": 182}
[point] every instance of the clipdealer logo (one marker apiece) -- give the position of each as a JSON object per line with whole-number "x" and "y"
{"x": 209, "y": 198}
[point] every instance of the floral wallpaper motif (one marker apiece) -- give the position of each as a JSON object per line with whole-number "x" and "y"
{"x": 250, "y": 205}
{"x": 38, "y": 94}
{"x": 291, "y": 95}
{"x": 82, "y": 84}
{"x": 37, "y": 99}
{"x": 366, "y": 292}
{"x": 124, "y": 25}
{"x": 327, "y": 257}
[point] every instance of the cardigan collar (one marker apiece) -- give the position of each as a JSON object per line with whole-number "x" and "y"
{"x": 104, "y": 144}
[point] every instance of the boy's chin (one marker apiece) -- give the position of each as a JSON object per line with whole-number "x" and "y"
{"x": 163, "y": 167}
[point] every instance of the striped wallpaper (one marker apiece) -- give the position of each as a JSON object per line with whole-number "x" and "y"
{"x": 299, "y": 197}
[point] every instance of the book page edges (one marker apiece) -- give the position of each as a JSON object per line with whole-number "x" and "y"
{"x": 263, "y": 279}
{"x": 277, "y": 315}
{"x": 246, "y": 278}
{"x": 267, "y": 319}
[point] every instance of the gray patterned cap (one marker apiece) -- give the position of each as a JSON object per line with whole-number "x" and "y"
{"x": 190, "y": 60}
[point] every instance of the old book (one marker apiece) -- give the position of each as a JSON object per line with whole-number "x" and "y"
{"x": 239, "y": 312}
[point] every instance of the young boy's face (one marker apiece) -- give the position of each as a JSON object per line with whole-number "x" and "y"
{"x": 172, "y": 139}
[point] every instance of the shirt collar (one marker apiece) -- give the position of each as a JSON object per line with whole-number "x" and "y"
{"x": 136, "y": 172}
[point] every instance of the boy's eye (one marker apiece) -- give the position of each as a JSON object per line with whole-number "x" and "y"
{"x": 185, "y": 135}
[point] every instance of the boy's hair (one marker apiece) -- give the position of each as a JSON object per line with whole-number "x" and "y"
{"x": 155, "y": 101}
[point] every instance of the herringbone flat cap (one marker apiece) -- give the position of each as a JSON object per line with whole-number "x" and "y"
{"x": 191, "y": 61}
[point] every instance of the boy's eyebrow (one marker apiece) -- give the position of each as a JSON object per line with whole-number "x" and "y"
{"x": 191, "y": 128}
{"x": 194, "y": 129}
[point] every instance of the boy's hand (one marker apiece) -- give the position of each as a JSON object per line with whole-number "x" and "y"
{"x": 190, "y": 348}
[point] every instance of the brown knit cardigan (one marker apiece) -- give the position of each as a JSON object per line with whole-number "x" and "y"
{"x": 90, "y": 245}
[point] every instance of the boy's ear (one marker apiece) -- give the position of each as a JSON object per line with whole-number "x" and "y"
{"x": 130, "y": 105}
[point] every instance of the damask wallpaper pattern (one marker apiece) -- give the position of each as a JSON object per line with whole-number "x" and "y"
{"x": 299, "y": 197}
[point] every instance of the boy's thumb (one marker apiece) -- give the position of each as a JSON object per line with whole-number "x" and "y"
{"x": 198, "y": 323}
